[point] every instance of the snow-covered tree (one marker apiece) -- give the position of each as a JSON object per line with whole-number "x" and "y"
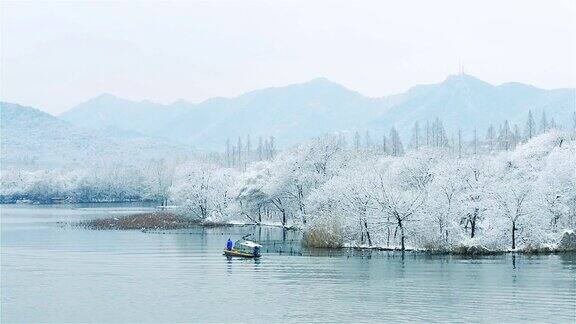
{"x": 415, "y": 141}
{"x": 543, "y": 122}
{"x": 530, "y": 128}
{"x": 203, "y": 191}
{"x": 396, "y": 147}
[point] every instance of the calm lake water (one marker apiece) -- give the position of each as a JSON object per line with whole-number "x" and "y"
{"x": 55, "y": 273}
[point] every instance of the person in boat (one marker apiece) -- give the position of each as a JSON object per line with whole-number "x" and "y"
{"x": 229, "y": 245}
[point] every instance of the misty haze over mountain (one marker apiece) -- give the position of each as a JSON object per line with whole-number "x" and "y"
{"x": 300, "y": 111}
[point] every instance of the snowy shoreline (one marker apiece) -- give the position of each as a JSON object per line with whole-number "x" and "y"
{"x": 164, "y": 220}
{"x": 467, "y": 250}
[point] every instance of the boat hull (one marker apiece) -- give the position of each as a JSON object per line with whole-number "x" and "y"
{"x": 236, "y": 253}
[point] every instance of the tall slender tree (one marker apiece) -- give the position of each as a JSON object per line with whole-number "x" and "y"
{"x": 248, "y": 147}
{"x": 530, "y": 129}
{"x": 504, "y": 138}
{"x": 260, "y": 148}
{"x": 384, "y": 144}
{"x": 239, "y": 150}
{"x": 491, "y": 136}
{"x": 272, "y": 148}
{"x": 475, "y": 141}
{"x": 228, "y": 153}
{"x": 552, "y": 124}
{"x": 543, "y": 122}
{"x": 357, "y": 141}
{"x": 516, "y": 136}
{"x": 396, "y": 147}
{"x": 415, "y": 141}
{"x": 367, "y": 141}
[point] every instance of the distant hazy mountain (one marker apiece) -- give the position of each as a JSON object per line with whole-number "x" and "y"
{"x": 291, "y": 114}
{"x": 462, "y": 101}
{"x": 107, "y": 111}
{"x": 297, "y": 112}
{"x": 32, "y": 138}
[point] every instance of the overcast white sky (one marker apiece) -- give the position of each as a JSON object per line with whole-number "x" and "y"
{"x": 57, "y": 54}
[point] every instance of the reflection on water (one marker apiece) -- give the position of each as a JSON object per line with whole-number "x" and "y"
{"x": 56, "y": 274}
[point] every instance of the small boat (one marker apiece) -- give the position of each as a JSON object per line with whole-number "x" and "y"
{"x": 244, "y": 249}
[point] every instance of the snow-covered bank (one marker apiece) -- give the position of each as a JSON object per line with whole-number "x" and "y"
{"x": 162, "y": 220}
{"x": 565, "y": 243}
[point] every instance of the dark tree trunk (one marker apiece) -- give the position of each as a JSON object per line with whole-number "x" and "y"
{"x": 278, "y": 203}
{"x": 402, "y": 247}
{"x": 402, "y": 239}
{"x": 301, "y": 204}
{"x": 367, "y": 233}
{"x": 473, "y": 223}
{"x": 513, "y": 235}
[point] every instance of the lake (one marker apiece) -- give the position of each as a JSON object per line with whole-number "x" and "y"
{"x": 57, "y": 273}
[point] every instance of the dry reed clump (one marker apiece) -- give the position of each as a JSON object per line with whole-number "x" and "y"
{"x": 323, "y": 235}
{"x": 141, "y": 221}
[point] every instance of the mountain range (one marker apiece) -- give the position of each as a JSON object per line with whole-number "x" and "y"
{"x": 300, "y": 111}
{"x": 32, "y": 139}
{"x": 111, "y": 126}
